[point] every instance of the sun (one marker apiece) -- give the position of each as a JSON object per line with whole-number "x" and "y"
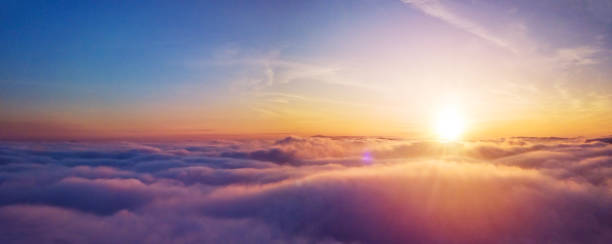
{"x": 449, "y": 124}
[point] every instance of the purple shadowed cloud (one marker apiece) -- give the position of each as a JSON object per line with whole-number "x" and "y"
{"x": 307, "y": 190}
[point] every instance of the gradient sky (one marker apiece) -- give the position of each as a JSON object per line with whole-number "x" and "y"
{"x": 364, "y": 67}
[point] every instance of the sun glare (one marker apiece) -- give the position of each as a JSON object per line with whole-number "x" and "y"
{"x": 449, "y": 124}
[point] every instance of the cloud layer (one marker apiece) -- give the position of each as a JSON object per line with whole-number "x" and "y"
{"x": 307, "y": 190}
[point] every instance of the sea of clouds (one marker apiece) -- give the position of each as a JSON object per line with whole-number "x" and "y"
{"x": 307, "y": 190}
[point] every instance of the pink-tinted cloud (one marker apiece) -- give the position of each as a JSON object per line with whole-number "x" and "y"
{"x": 310, "y": 189}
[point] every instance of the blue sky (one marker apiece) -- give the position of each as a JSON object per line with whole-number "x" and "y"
{"x": 95, "y": 52}
{"x": 302, "y": 66}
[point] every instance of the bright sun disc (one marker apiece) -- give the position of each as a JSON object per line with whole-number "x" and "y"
{"x": 449, "y": 124}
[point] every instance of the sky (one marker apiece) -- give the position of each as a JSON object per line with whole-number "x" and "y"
{"x": 93, "y": 69}
{"x": 308, "y": 122}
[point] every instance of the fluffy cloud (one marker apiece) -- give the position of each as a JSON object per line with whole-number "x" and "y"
{"x": 314, "y": 189}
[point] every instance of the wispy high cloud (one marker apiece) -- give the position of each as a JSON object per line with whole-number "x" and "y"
{"x": 584, "y": 55}
{"x": 437, "y": 10}
{"x": 583, "y": 51}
